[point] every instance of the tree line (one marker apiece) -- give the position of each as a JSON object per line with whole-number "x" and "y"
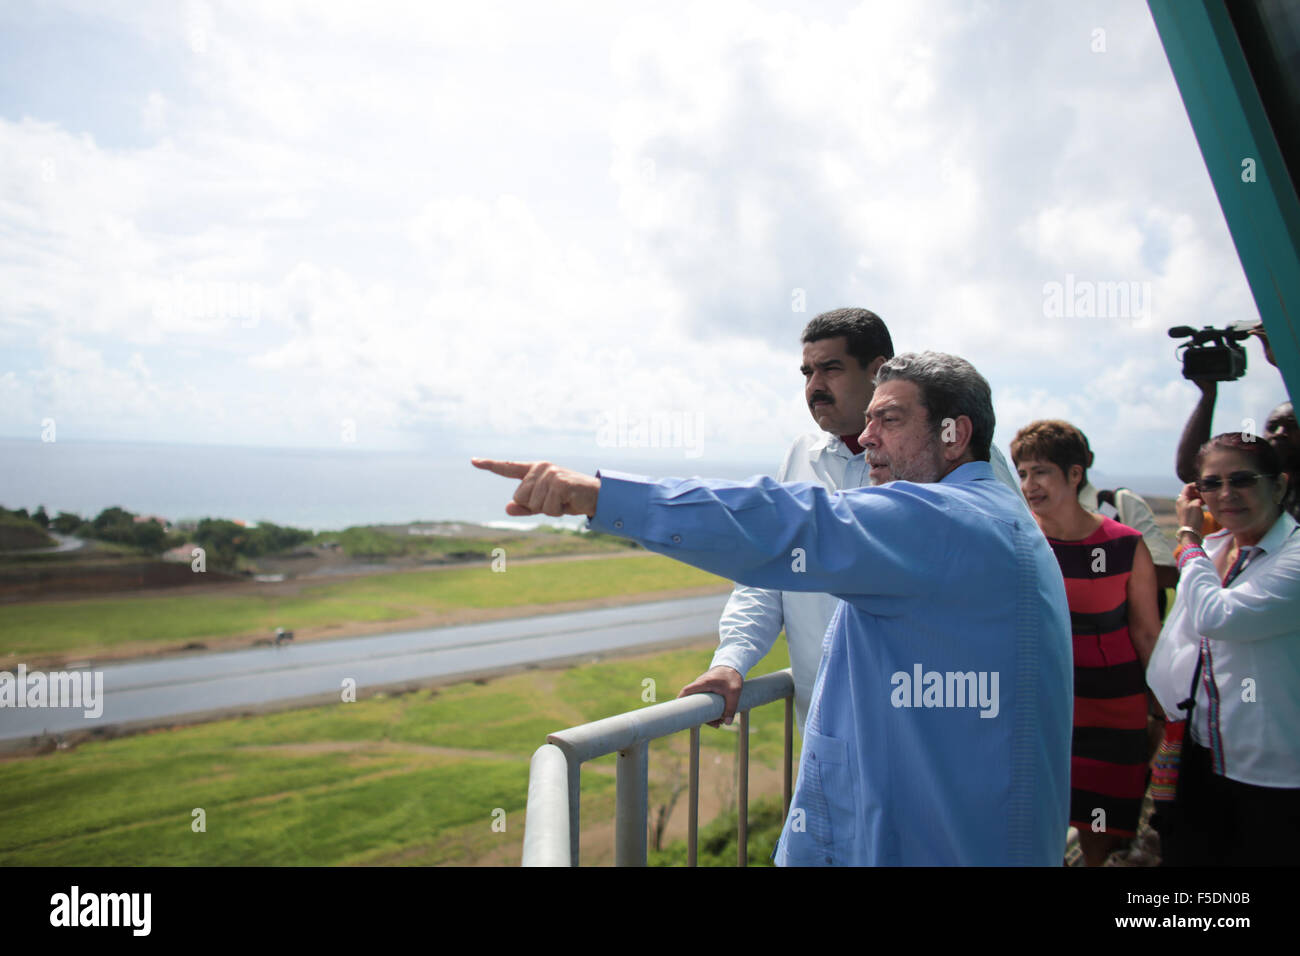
{"x": 222, "y": 539}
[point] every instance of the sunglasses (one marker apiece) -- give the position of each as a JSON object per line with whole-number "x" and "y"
{"x": 1238, "y": 479}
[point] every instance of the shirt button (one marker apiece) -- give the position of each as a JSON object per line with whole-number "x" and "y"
{"x": 829, "y": 860}
{"x": 618, "y": 524}
{"x": 677, "y": 539}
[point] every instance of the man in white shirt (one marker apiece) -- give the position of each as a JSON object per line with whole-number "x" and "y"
{"x": 842, "y": 351}
{"x": 1131, "y": 509}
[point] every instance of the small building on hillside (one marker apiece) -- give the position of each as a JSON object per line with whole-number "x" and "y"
{"x": 182, "y": 554}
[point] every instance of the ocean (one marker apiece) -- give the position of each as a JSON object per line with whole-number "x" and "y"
{"x": 318, "y": 489}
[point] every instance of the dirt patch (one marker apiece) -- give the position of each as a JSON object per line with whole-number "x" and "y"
{"x": 117, "y": 579}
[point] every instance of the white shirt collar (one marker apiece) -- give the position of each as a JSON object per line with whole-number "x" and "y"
{"x": 826, "y": 443}
{"x": 1281, "y": 530}
{"x": 1273, "y": 539}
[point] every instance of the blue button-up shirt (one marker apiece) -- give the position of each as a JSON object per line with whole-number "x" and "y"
{"x": 754, "y": 617}
{"x": 940, "y": 726}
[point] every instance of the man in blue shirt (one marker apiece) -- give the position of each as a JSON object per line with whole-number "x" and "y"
{"x": 939, "y": 732}
{"x": 842, "y": 350}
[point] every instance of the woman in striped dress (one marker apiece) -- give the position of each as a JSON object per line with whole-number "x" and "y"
{"x": 1110, "y": 581}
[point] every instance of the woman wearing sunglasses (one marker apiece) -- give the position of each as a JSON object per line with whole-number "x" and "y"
{"x": 1234, "y": 632}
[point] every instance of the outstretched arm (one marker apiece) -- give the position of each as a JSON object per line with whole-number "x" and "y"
{"x": 796, "y": 537}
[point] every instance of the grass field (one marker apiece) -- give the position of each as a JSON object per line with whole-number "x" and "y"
{"x": 96, "y": 625}
{"x": 413, "y": 779}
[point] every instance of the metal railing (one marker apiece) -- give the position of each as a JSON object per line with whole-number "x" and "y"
{"x": 551, "y": 827}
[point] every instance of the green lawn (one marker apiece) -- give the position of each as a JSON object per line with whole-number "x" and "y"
{"x": 95, "y": 625}
{"x": 351, "y": 783}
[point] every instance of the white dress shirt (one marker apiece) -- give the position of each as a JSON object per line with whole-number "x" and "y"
{"x": 1254, "y": 631}
{"x": 754, "y": 617}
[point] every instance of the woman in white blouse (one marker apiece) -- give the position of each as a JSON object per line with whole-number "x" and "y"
{"x": 1237, "y": 612}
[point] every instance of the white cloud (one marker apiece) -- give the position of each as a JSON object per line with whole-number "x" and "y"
{"x": 498, "y": 219}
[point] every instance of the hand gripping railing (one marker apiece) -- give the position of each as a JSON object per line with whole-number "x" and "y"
{"x": 555, "y": 774}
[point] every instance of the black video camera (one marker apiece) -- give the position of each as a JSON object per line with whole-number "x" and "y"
{"x": 1212, "y": 354}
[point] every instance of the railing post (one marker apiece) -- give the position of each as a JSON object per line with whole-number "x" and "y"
{"x": 787, "y": 790}
{"x": 742, "y": 793}
{"x": 632, "y": 797}
{"x": 693, "y": 815}
{"x": 546, "y": 823}
{"x": 575, "y": 796}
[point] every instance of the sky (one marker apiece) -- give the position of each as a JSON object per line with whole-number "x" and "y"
{"x": 530, "y": 230}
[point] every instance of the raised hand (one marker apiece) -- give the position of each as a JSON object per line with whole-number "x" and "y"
{"x": 1188, "y": 506}
{"x": 1260, "y": 334}
{"x": 545, "y": 488}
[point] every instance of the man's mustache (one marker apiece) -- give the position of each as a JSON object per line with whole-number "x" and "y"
{"x": 821, "y": 397}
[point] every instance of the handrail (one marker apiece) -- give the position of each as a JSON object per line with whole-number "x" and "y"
{"x": 546, "y": 843}
{"x": 551, "y": 827}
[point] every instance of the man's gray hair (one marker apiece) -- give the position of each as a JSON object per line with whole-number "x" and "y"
{"x": 950, "y": 386}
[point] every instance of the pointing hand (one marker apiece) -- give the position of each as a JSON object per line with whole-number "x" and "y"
{"x": 545, "y": 488}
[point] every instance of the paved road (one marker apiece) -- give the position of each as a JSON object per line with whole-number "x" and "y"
{"x": 66, "y": 542}
{"x": 154, "y": 692}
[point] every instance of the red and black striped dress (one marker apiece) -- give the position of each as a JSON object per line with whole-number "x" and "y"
{"x": 1108, "y": 763}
